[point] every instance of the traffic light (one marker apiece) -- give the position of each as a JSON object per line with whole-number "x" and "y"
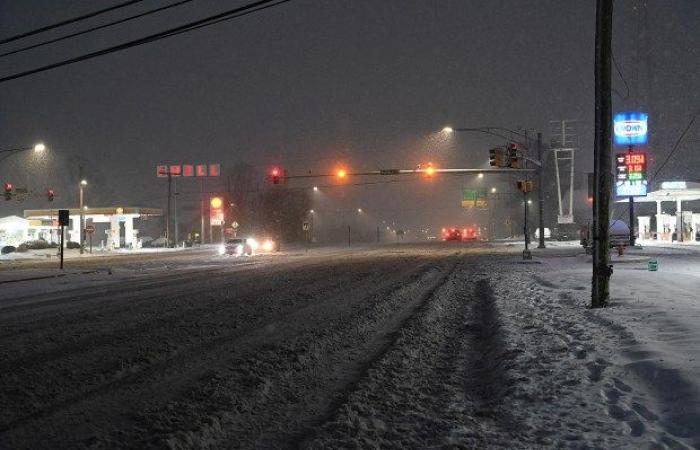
{"x": 216, "y": 202}
{"x": 496, "y": 157}
{"x": 513, "y": 160}
{"x": 275, "y": 174}
{"x": 525, "y": 186}
{"x": 50, "y": 194}
{"x": 8, "y": 191}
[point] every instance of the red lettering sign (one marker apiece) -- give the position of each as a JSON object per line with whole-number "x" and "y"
{"x": 176, "y": 170}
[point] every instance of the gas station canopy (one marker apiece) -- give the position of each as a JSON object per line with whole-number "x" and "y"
{"x": 120, "y": 219}
{"x": 671, "y": 191}
{"x": 109, "y": 211}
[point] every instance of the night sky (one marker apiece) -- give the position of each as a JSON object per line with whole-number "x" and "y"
{"x": 313, "y": 82}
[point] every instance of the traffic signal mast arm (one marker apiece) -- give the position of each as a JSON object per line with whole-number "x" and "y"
{"x": 413, "y": 171}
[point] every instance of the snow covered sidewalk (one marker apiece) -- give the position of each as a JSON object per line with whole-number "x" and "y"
{"x": 497, "y": 361}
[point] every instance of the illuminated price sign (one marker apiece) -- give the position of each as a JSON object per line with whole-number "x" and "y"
{"x": 631, "y": 174}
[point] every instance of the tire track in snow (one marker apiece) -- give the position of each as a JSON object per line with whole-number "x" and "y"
{"x": 195, "y": 362}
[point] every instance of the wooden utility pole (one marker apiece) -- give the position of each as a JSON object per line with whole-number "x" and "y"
{"x": 602, "y": 270}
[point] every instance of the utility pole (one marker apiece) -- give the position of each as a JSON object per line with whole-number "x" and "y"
{"x": 540, "y": 190}
{"x": 600, "y": 289}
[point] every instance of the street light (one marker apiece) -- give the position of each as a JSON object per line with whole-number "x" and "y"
{"x": 481, "y": 175}
{"x": 448, "y": 129}
{"x": 315, "y": 188}
{"x": 311, "y": 211}
{"x": 493, "y": 190}
{"x": 359, "y": 210}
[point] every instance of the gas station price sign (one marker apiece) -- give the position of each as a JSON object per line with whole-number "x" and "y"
{"x": 631, "y": 174}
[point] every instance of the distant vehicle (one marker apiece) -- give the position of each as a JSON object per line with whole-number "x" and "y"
{"x": 547, "y": 233}
{"x": 470, "y": 234}
{"x": 451, "y": 234}
{"x": 565, "y": 232}
{"x": 247, "y": 246}
{"x": 236, "y": 247}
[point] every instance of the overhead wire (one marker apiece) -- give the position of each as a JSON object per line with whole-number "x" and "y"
{"x": 99, "y": 27}
{"x": 197, "y": 24}
{"x": 676, "y": 145}
{"x": 619, "y": 73}
{"x": 67, "y": 21}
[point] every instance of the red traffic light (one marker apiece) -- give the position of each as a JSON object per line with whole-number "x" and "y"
{"x": 8, "y": 187}
{"x": 275, "y": 174}
{"x": 50, "y": 194}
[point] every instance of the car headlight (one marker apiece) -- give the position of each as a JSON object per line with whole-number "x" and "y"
{"x": 268, "y": 245}
{"x": 221, "y": 249}
{"x": 253, "y": 244}
{"x": 239, "y": 249}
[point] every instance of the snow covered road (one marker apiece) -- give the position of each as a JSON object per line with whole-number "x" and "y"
{"x": 406, "y": 346}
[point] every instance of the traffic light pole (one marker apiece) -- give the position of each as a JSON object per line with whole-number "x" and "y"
{"x": 526, "y": 253}
{"x": 540, "y": 190}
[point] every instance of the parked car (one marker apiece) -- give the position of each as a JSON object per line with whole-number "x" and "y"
{"x": 618, "y": 232}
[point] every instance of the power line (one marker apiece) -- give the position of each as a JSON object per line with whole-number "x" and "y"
{"x": 619, "y": 72}
{"x": 90, "y": 30}
{"x": 675, "y": 146}
{"x": 211, "y": 20}
{"x": 68, "y": 21}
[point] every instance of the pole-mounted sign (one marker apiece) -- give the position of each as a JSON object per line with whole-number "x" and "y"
{"x": 631, "y": 174}
{"x": 631, "y": 128}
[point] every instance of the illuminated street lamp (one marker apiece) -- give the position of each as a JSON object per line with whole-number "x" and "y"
{"x": 315, "y": 188}
{"x": 493, "y": 190}
{"x": 448, "y": 129}
{"x": 359, "y": 210}
{"x": 481, "y": 175}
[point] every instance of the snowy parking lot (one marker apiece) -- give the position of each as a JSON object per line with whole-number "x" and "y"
{"x": 398, "y": 346}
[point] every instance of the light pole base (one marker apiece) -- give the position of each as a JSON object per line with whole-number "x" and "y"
{"x": 541, "y": 246}
{"x": 527, "y": 255}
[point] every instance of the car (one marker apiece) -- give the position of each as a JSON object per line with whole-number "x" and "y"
{"x": 236, "y": 247}
{"x": 470, "y": 234}
{"x": 451, "y": 234}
